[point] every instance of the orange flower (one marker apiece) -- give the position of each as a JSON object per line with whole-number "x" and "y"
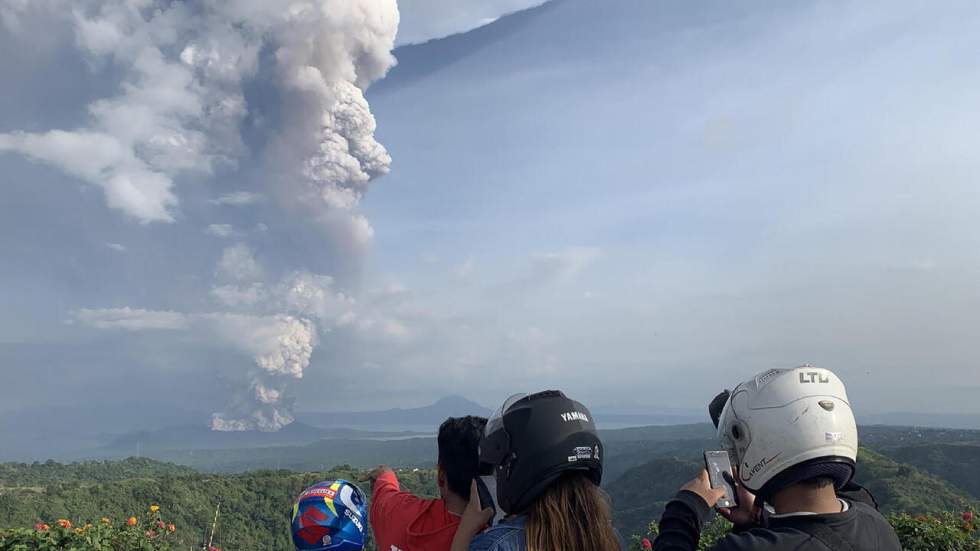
{"x": 171, "y": 527}
{"x": 154, "y": 508}
{"x": 64, "y": 523}
{"x": 131, "y": 521}
{"x": 41, "y": 527}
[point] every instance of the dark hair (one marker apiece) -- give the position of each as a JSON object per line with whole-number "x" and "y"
{"x": 817, "y": 482}
{"x": 459, "y": 456}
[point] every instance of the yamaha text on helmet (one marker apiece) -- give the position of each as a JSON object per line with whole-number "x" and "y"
{"x": 532, "y": 440}
{"x": 785, "y": 426}
{"x": 330, "y": 516}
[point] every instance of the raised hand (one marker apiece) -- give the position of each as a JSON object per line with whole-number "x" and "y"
{"x": 746, "y": 513}
{"x": 702, "y": 487}
{"x": 474, "y": 520}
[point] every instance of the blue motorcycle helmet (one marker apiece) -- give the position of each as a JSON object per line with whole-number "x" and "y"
{"x": 330, "y": 516}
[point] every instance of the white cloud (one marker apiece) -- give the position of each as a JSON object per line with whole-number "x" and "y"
{"x": 129, "y": 183}
{"x": 221, "y": 230}
{"x": 239, "y": 296}
{"x": 238, "y": 264}
{"x": 116, "y": 247}
{"x": 237, "y": 198}
{"x": 131, "y": 319}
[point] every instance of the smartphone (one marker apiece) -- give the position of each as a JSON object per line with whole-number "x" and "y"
{"x": 718, "y": 464}
{"x": 486, "y": 498}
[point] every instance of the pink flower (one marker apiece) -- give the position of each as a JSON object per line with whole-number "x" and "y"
{"x": 968, "y": 516}
{"x": 646, "y": 543}
{"x": 151, "y": 534}
{"x": 41, "y": 527}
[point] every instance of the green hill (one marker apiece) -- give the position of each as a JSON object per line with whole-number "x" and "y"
{"x": 641, "y": 493}
{"x": 957, "y": 464}
{"x": 255, "y": 505}
{"x": 904, "y": 488}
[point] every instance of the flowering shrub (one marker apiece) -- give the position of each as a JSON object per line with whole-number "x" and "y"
{"x": 712, "y": 532}
{"x": 149, "y": 533}
{"x": 949, "y": 532}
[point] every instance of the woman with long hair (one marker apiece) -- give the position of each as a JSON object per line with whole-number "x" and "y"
{"x": 546, "y": 455}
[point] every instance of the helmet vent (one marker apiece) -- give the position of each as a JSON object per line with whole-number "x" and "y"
{"x": 736, "y": 432}
{"x": 827, "y": 405}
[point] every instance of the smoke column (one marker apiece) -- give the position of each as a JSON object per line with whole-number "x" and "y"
{"x": 180, "y": 109}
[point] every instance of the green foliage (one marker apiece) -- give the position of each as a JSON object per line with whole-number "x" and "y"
{"x": 151, "y": 533}
{"x": 957, "y": 464}
{"x": 713, "y": 531}
{"x": 39, "y": 474}
{"x": 255, "y": 506}
{"x": 904, "y": 489}
{"x": 946, "y": 531}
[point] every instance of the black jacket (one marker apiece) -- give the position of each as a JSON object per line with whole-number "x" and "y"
{"x": 861, "y": 526}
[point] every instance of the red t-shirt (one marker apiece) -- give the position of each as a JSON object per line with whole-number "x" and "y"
{"x": 404, "y": 522}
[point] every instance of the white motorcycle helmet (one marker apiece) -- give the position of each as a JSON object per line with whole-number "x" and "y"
{"x": 785, "y": 426}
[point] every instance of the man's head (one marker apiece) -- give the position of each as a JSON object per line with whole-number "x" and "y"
{"x": 788, "y": 427}
{"x": 459, "y": 461}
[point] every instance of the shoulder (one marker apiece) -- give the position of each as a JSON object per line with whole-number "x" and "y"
{"x": 867, "y": 512}
{"x": 868, "y": 515}
{"x": 506, "y": 536}
{"x": 755, "y": 538}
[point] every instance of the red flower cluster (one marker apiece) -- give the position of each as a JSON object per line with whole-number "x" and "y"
{"x": 646, "y": 543}
{"x": 41, "y": 527}
{"x": 968, "y": 516}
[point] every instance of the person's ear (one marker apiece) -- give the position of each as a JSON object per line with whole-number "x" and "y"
{"x": 441, "y": 477}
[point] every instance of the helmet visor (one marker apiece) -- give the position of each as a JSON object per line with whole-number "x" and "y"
{"x": 717, "y": 406}
{"x": 495, "y": 444}
{"x": 496, "y": 421}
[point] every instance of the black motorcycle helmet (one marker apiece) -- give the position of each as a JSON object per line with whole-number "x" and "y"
{"x": 532, "y": 440}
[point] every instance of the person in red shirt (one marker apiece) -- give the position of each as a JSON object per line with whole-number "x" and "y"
{"x": 405, "y": 522}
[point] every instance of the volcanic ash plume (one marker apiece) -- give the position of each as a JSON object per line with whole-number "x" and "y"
{"x": 180, "y": 108}
{"x": 282, "y": 347}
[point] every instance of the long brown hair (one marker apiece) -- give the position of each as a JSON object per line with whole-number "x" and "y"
{"x": 573, "y": 514}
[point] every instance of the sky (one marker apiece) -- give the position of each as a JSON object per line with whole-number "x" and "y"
{"x": 641, "y": 206}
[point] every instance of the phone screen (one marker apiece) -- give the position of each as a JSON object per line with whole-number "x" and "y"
{"x": 717, "y": 463}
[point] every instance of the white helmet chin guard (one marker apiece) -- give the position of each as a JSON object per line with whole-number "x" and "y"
{"x": 785, "y": 426}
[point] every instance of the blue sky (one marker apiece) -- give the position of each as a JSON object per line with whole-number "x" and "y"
{"x": 639, "y": 206}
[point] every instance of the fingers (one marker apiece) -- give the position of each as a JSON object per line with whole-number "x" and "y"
{"x": 474, "y": 493}
{"x": 703, "y": 477}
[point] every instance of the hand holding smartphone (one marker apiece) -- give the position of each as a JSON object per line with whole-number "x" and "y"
{"x": 719, "y": 468}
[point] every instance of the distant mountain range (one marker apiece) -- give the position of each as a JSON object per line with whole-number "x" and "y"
{"x": 426, "y": 417}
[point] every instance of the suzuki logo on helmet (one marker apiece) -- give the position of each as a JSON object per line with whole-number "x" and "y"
{"x": 814, "y": 377}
